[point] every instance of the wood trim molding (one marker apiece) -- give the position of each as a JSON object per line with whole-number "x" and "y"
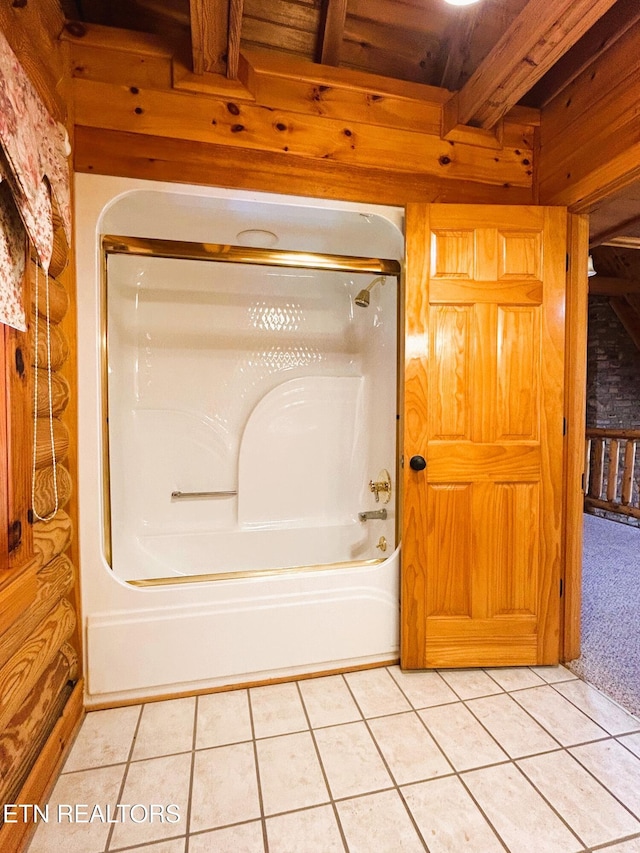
{"x": 577, "y": 301}
{"x": 44, "y": 773}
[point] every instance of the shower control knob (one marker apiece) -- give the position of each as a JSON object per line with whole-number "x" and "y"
{"x": 418, "y": 463}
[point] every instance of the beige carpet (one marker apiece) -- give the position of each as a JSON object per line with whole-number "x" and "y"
{"x": 610, "y": 657}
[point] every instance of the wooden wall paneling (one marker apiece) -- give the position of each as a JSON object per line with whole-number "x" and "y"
{"x": 4, "y": 458}
{"x": 32, "y": 30}
{"x": 20, "y": 674}
{"x": 44, "y": 451}
{"x": 14, "y": 837}
{"x": 18, "y": 589}
{"x": 275, "y": 35}
{"x": 60, "y": 392}
{"x": 575, "y": 413}
{"x": 45, "y": 489}
{"x": 102, "y": 105}
{"x": 158, "y": 158}
{"x": 589, "y": 133}
{"x": 58, "y": 346}
{"x": 24, "y": 735}
{"x": 68, "y": 374}
{"x": 58, "y": 300}
{"x": 19, "y": 392}
{"x": 51, "y": 538}
{"x": 50, "y": 585}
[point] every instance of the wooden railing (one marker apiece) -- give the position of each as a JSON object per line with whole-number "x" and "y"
{"x": 609, "y": 485}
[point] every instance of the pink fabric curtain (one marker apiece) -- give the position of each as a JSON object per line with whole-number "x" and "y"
{"x": 33, "y": 168}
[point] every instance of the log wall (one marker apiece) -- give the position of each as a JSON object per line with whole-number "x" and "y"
{"x": 40, "y": 676}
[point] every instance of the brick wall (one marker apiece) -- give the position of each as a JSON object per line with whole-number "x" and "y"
{"x": 613, "y": 377}
{"x": 613, "y": 370}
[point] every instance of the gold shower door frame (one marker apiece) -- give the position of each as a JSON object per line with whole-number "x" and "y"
{"x": 219, "y": 253}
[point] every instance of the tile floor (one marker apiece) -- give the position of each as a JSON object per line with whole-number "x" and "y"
{"x": 529, "y": 760}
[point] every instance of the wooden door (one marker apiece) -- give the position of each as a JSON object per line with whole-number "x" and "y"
{"x": 483, "y": 406}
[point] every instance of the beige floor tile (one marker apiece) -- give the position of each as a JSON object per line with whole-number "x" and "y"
{"x": 515, "y": 677}
{"x": 100, "y": 786}
{"x": 632, "y": 742}
{"x": 223, "y": 718}
{"x": 423, "y": 689}
{"x": 615, "y": 767}
{"x": 225, "y": 787}
{"x": 277, "y": 710}
{"x": 553, "y": 674}
{"x": 557, "y": 715}
{"x": 449, "y": 820}
{"x": 470, "y": 683}
{"x": 165, "y": 728}
{"x": 409, "y": 750}
{"x": 290, "y": 773}
{"x": 632, "y": 846}
{"x": 461, "y": 737}
{"x": 511, "y": 726}
{"x": 380, "y": 823}
{"x": 176, "y": 845}
{"x": 244, "y": 838}
{"x": 601, "y": 709}
{"x": 308, "y": 831}
{"x": 586, "y": 806}
{"x": 328, "y": 701}
{"x": 518, "y": 813}
{"x": 351, "y": 760}
{"x": 376, "y": 692}
{"x": 156, "y": 781}
{"x": 105, "y": 738}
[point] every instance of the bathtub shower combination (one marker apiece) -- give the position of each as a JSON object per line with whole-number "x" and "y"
{"x": 241, "y": 412}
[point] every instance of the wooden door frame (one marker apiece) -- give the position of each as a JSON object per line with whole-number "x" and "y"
{"x": 577, "y": 303}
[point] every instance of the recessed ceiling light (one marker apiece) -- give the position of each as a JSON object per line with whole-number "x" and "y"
{"x": 460, "y": 2}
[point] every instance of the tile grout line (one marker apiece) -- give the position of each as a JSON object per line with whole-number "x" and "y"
{"x": 455, "y": 772}
{"x": 608, "y": 699}
{"x": 194, "y": 737}
{"x": 396, "y": 786}
{"x": 107, "y": 846}
{"x": 323, "y": 771}
{"x": 254, "y": 741}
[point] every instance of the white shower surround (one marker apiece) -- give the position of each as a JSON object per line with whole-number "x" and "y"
{"x": 142, "y": 642}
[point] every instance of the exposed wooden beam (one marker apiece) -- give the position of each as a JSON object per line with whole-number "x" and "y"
{"x": 629, "y": 318}
{"x": 332, "y": 31}
{"x": 590, "y": 133}
{"x": 614, "y": 236}
{"x": 623, "y": 242}
{"x": 538, "y": 37}
{"x": 612, "y": 26}
{"x": 601, "y": 285}
{"x": 209, "y": 35}
{"x": 235, "y": 29}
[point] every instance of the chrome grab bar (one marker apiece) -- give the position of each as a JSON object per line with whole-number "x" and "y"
{"x": 180, "y": 495}
{"x": 373, "y": 513}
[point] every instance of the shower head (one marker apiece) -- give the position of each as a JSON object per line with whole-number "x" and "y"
{"x": 363, "y": 299}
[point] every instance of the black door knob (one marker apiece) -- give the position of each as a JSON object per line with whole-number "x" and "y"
{"x": 418, "y": 463}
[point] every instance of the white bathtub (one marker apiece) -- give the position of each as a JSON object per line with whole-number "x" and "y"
{"x": 278, "y": 576}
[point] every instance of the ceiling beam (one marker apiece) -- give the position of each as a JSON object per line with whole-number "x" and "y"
{"x": 233, "y": 44}
{"x": 629, "y": 318}
{"x": 538, "y": 37}
{"x": 209, "y": 35}
{"x": 332, "y": 31}
{"x": 602, "y": 285}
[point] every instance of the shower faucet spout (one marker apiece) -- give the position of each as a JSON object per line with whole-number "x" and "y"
{"x": 372, "y": 513}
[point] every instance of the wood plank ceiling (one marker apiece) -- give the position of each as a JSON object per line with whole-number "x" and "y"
{"x": 491, "y": 56}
